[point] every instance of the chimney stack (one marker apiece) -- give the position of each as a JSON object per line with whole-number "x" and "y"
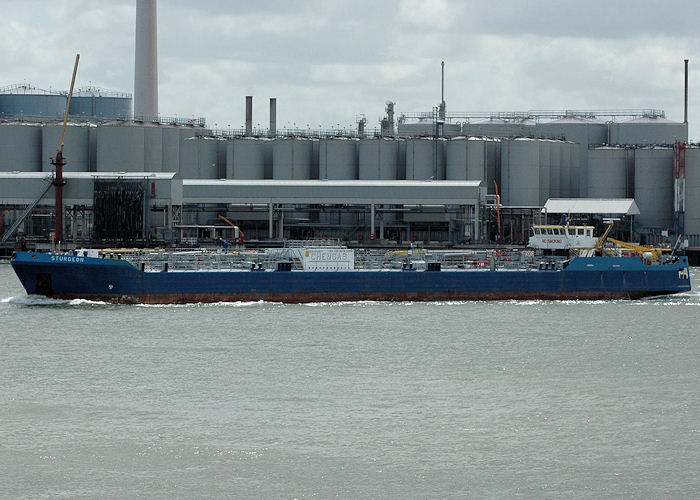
{"x": 146, "y": 67}
{"x": 273, "y": 117}
{"x": 685, "y": 104}
{"x": 249, "y": 115}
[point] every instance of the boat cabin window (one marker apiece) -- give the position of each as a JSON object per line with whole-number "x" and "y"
{"x": 536, "y": 230}
{"x": 550, "y": 230}
{"x": 580, "y": 231}
{"x": 588, "y": 232}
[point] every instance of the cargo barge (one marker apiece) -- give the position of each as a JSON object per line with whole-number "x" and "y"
{"x": 328, "y": 274}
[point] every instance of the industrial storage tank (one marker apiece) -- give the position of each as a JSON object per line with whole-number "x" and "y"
{"x": 93, "y": 102}
{"x": 500, "y": 127}
{"x": 338, "y": 158}
{"x": 584, "y": 131}
{"x": 429, "y": 129}
{"x": 545, "y": 168}
{"x": 171, "y": 149}
{"x": 378, "y": 159}
{"x": 565, "y": 166}
{"x": 246, "y": 158}
{"x": 425, "y": 159}
{"x": 292, "y": 158}
{"x": 153, "y": 148}
{"x": 653, "y": 187}
{"x": 120, "y": 148}
{"x": 76, "y": 147}
{"x": 607, "y": 172}
{"x": 692, "y": 195}
{"x": 20, "y": 147}
{"x": 199, "y": 158}
{"x": 520, "y": 172}
{"x": 555, "y": 169}
{"x": 465, "y": 159}
{"x": 25, "y": 100}
{"x": 493, "y": 163}
{"x": 648, "y": 130}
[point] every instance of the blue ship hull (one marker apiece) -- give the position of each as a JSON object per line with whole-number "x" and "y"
{"x": 69, "y": 277}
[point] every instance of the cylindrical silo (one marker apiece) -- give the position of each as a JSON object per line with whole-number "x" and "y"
{"x": 248, "y": 160}
{"x": 171, "y": 149}
{"x": 292, "y": 158}
{"x": 120, "y": 148}
{"x": 648, "y": 131}
{"x": 338, "y": 158}
{"x": 555, "y": 169}
{"x": 653, "y": 187}
{"x": 520, "y": 174}
{"x": 76, "y": 147}
{"x": 493, "y": 163}
{"x": 607, "y": 172}
{"x": 545, "y": 168}
{"x": 500, "y": 127}
{"x": 153, "y": 148}
{"x": 20, "y": 148}
{"x": 425, "y": 159}
{"x": 692, "y": 195}
{"x": 465, "y": 159}
{"x": 24, "y": 100}
{"x": 378, "y": 159}
{"x": 565, "y": 166}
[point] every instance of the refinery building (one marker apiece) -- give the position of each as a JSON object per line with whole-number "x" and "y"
{"x": 134, "y": 176}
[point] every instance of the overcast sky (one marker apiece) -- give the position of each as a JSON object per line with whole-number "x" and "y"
{"x": 327, "y": 62}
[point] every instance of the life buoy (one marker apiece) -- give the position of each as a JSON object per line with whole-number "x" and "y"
{"x": 499, "y": 253}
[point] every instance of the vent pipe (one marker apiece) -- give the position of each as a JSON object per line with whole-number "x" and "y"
{"x": 685, "y": 104}
{"x": 146, "y": 61}
{"x": 273, "y": 117}
{"x": 249, "y": 115}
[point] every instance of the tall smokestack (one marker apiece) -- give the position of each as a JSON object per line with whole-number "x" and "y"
{"x": 249, "y": 115}
{"x": 685, "y": 104}
{"x": 273, "y": 117}
{"x": 146, "y": 68}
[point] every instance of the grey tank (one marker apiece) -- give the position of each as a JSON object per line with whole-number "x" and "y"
{"x": 76, "y": 147}
{"x": 246, "y": 158}
{"x": 647, "y": 131}
{"x": 545, "y": 168}
{"x": 607, "y": 172}
{"x": 465, "y": 159}
{"x": 120, "y": 148}
{"x": 153, "y": 148}
{"x": 520, "y": 174}
{"x": 338, "y": 158}
{"x": 20, "y": 148}
{"x": 199, "y": 158}
{"x": 555, "y": 169}
{"x": 653, "y": 187}
{"x": 292, "y": 159}
{"x": 425, "y": 159}
{"x": 692, "y": 195}
{"x": 378, "y": 159}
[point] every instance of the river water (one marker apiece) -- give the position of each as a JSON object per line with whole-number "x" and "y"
{"x": 529, "y": 399}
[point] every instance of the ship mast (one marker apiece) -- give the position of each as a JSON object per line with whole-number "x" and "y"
{"x": 59, "y": 163}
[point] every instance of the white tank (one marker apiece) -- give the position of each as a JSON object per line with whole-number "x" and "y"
{"x": 20, "y": 148}
{"x": 76, "y": 147}
{"x": 338, "y": 158}
{"x": 120, "y": 148}
{"x": 653, "y": 187}
{"x": 607, "y": 172}
{"x": 292, "y": 158}
{"x": 378, "y": 159}
{"x": 425, "y": 159}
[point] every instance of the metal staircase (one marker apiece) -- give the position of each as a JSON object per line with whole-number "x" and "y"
{"x": 24, "y": 215}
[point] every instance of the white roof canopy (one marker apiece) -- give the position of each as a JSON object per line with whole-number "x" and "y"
{"x": 621, "y": 206}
